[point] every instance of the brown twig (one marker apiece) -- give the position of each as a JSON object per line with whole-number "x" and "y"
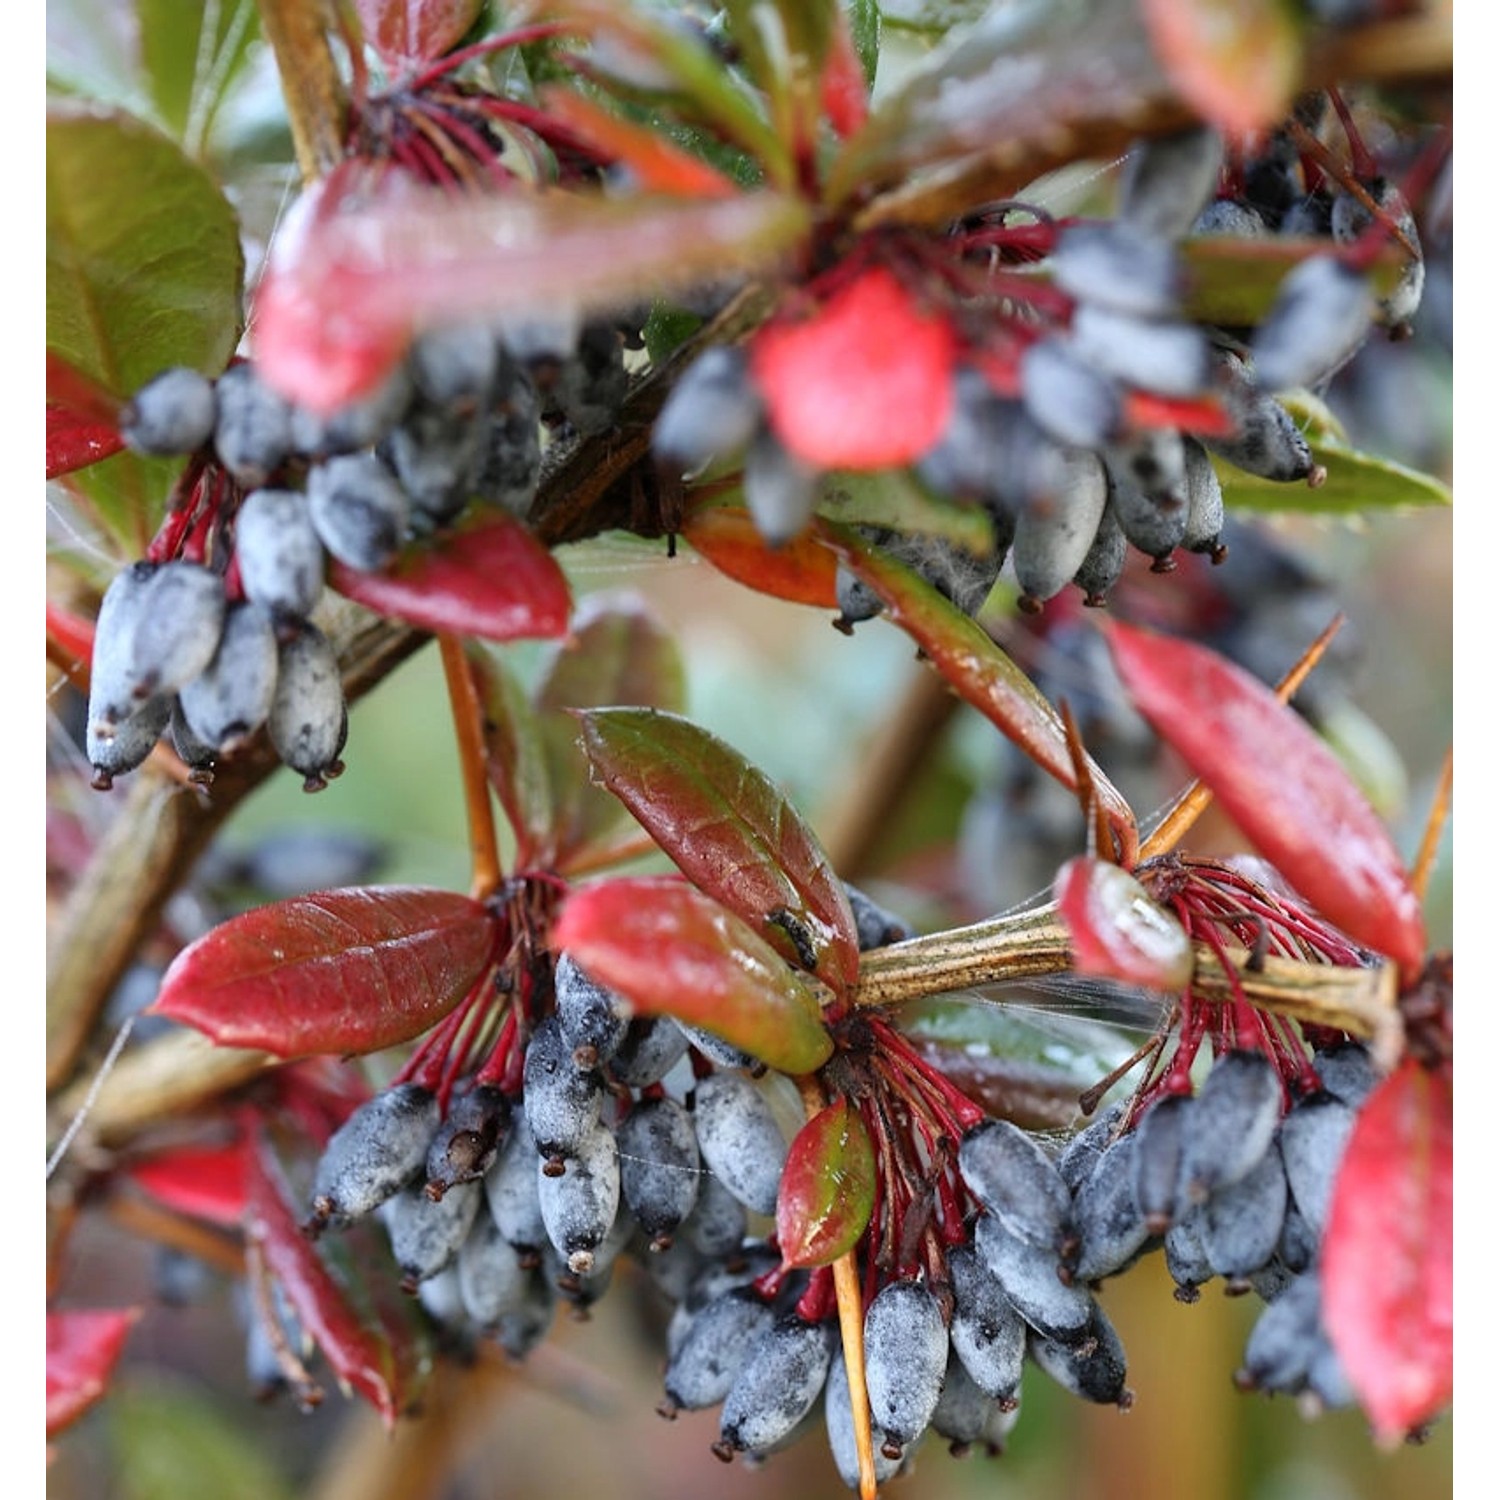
{"x": 468, "y": 731}
{"x": 298, "y": 35}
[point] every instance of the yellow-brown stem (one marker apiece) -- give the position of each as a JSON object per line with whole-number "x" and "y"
{"x": 1194, "y": 801}
{"x": 851, "y": 1327}
{"x": 468, "y": 730}
{"x": 149, "y": 1222}
{"x": 310, "y": 84}
{"x": 1437, "y": 818}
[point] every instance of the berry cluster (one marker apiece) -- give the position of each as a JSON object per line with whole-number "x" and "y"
{"x": 1086, "y": 406}
{"x": 210, "y": 636}
{"x": 586, "y": 1136}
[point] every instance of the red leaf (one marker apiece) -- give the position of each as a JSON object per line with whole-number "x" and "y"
{"x": 412, "y": 31}
{"x": 346, "y": 971}
{"x": 491, "y": 579}
{"x": 75, "y": 442}
{"x": 1117, "y": 931}
{"x": 360, "y": 1355}
{"x": 978, "y": 670}
{"x": 205, "y": 1182}
{"x": 1234, "y": 61}
{"x": 799, "y": 570}
{"x": 1279, "y": 782}
{"x": 71, "y": 634}
{"x": 655, "y": 164}
{"x": 1388, "y": 1252}
{"x": 670, "y": 950}
{"x": 846, "y": 96}
{"x": 864, "y": 383}
{"x": 731, "y": 830}
{"x": 827, "y": 1188}
{"x": 83, "y": 1347}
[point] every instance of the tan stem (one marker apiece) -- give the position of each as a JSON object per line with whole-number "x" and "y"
{"x": 468, "y": 731}
{"x": 297, "y": 31}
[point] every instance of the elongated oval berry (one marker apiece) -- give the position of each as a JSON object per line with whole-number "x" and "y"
{"x": 308, "y": 721}
{"x": 1348, "y": 1072}
{"x": 511, "y": 463}
{"x": 1153, "y": 524}
{"x": 561, "y": 1100}
{"x": 651, "y": 1048}
{"x": 1067, "y": 396}
{"x": 659, "y": 1169}
{"x": 172, "y": 413}
{"x": 1093, "y": 1368}
{"x": 358, "y": 509}
{"x": 1104, "y": 562}
{"x": 1205, "y": 502}
{"x": 712, "y": 411}
{"x": 1349, "y": 218}
{"x": 1241, "y": 1224}
{"x": 1031, "y": 1276}
{"x": 1266, "y": 441}
{"x": 838, "y": 1418}
{"x": 987, "y": 1333}
{"x": 358, "y": 424}
{"x": 193, "y": 751}
{"x": 594, "y": 1020}
{"x": 456, "y": 365}
{"x": 1285, "y": 1339}
{"x": 491, "y": 1278}
{"x": 1017, "y": 1182}
{"x": 1111, "y": 1228}
{"x": 435, "y": 455}
{"x": 279, "y": 555}
{"x": 906, "y": 1354}
{"x": 426, "y": 1233}
{"x": 521, "y": 1328}
{"x": 1166, "y": 180}
{"x": 713, "y": 1350}
{"x": 580, "y": 1203}
{"x": 1085, "y": 1148}
{"x": 231, "y": 698}
{"x": 719, "y": 1052}
{"x": 741, "y": 1143}
{"x": 1117, "y": 265}
{"x": 969, "y": 460}
{"x": 1321, "y": 315}
{"x": 1158, "y": 1167}
{"x": 111, "y": 680}
{"x": 1233, "y": 1122}
{"x": 129, "y": 742}
{"x": 1229, "y": 217}
{"x": 252, "y": 425}
{"x": 780, "y": 489}
{"x": 1054, "y": 533}
{"x": 1153, "y": 354}
{"x": 963, "y": 1410}
{"x": 374, "y": 1153}
{"x": 781, "y": 1378}
{"x": 718, "y": 1221}
{"x": 510, "y": 1189}
{"x": 178, "y": 629}
{"x": 874, "y": 925}
{"x": 1312, "y": 1138}
{"x": 465, "y": 1145}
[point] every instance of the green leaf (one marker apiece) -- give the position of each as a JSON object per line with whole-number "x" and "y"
{"x": 170, "y": 1441}
{"x": 827, "y": 1188}
{"x": 892, "y": 498}
{"x": 731, "y": 830}
{"x": 144, "y": 271}
{"x": 671, "y": 950}
{"x": 192, "y": 52}
{"x": 864, "y": 29}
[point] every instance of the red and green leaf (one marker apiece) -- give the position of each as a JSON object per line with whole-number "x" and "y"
{"x": 403, "y": 32}
{"x": 1388, "y": 1252}
{"x": 1235, "y": 61}
{"x": 799, "y": 570}
{"x": 82, "y": 419}
{"x": 359, "y": 1351}
{"x": 83, "y": 1347}
{"x": 204, "y": 1182}
{"x": 731, "y": 830}
{"x": 515, "y": 758}
{"x": 827, "y": 1188}
{"x": 978, "y": 670}
{"x": 1279, "y": 782}
{"x": 864, "y": 382}
{"x": 490, "y": 579}
{"x": 671, "y": 950}
{"x": 346, "y": 971}
{"x": 1116, "y": 930}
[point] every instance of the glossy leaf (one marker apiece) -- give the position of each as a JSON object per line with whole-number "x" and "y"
{"x": 1117, "y": 931}
{"x": 863, "y": 383}
{"x": 730, "y": 829}
{"x": 671, "y": 950}
{"x": 75, "y": 442}
{"x": 827, "y": 1188}
{"x": 1280, "y": 783}
{"x": 654, "y": 163}
{"x": 404, "y": 32}
{"x": 978, "y": 670}
{"x": 358, "y": 1352}
{"x": 83, "y": 1347}
{"x": 618, "y": 652}
{"x": 491, "y": 579}
{"x": 347, "y": 971}
{"x": 205, "y": 1182}
{"x": 1388, "y": 1252}
{"x": 1235, "y": 61}
{"x": 364, "y": 267}
{"x": 799, "y": 570}
{"x": 892, "y": 498}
